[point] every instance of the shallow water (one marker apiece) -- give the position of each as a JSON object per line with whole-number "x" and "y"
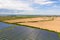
{"x": 25, "y": 33}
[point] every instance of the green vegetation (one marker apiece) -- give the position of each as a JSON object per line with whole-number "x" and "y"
{"x": 58, "y": 35}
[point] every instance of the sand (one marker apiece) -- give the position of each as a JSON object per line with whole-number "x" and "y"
{"x": 28, "y": 19}
{"x": 53, "y": 25}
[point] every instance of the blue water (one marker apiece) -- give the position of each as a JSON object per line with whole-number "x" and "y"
{"x": 25, "y": 33}
{"x": 4, "y": 25}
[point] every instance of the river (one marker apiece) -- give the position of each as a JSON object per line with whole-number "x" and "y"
{"x": 25, "y": 33}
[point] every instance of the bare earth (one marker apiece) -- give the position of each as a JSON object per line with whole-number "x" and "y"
{"x": 53, "y": 25}
{"x": 27, "y": 19}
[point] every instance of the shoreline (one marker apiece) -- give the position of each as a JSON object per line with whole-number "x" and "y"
{"x": 38, "y": 23}
{"x": 58, "y": 33}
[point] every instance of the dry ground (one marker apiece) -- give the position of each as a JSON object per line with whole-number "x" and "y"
{"x": 28, "y": 19}
{"x": 41, "y": 22}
